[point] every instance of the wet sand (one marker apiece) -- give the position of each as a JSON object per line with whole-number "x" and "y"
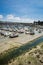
{"x": 7, "y": 43}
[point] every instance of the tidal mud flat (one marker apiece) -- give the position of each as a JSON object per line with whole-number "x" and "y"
{"x": 7, "y": 43}
{"x": 13, "y": 53}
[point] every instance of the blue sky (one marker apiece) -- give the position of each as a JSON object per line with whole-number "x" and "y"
{"x": 21, "y": 9}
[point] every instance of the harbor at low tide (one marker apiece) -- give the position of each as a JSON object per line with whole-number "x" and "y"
{"x": 15, "y": 41}
{"x": 23, "y": 38}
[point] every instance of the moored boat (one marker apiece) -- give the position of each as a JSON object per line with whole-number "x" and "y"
{"x": 13, "y": 35}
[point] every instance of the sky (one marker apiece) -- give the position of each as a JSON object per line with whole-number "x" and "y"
{"x": 21, "y": 10}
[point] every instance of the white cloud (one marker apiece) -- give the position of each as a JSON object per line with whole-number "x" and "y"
{"x": 10, "y": 17}
{"x": 1, "y": 16}
{"x": 27, "y": 20}
{"x": 17, "y": 18}
{"x": 13, "y": 18}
